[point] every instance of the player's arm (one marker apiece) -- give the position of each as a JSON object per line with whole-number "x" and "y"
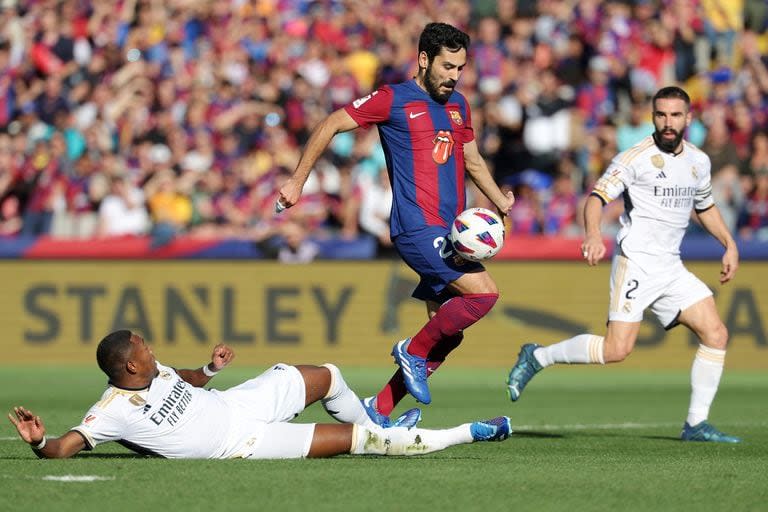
{"x": 593, "y": 247}
{"x": 32, "y": 431}
{"x": 714, "y": 224}
{"x": 479, "y": 173}
{"x": 221, "y": 357}
{"x": 337, "y": 122}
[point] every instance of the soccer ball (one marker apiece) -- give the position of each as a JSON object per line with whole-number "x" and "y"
{"x": 477, "y": 234}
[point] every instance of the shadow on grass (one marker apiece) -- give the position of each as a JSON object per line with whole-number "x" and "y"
{"x": 86, "y": 456}
{"x": 663, "y": 438}
{"x": 530, "y": 433}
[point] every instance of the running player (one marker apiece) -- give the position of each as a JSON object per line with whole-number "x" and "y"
{"x": 661, "y": 179}
{"x": 425, "y": 127}
{"x": 156, "y": 410}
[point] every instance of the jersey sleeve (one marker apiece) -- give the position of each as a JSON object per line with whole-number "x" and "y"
{"x": 469, "y": 132}
{"x": 371, "y": 109}
{"x": 703, "y": 199}
{"x": 99, "y": 426}
{"x": 613, "y": 182}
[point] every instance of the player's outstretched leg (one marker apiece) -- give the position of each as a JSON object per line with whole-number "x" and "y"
{"x": 407, "y": 420}
{"x": 345, "y": 406}
{"x": 495, "y": 429}
{"x": 526, "y": 367}
{"x": 418, "y": 441}
{"x": 706, "y": 432}
{"x": 414, "y": 371}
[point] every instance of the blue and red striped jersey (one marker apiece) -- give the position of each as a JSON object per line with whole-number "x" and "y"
{"x": 423, "y": 143}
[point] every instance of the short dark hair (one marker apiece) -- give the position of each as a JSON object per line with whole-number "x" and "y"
{"x": 437, "y": 36}
{"x": 672, "y": 92}
{"x": 112, "y": 353}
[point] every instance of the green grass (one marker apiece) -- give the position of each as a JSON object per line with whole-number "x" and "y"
{"x": 586, "y": 439}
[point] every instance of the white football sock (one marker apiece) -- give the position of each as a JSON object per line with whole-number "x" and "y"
{"x": 705, "y": 379}
{"x": 584, "y": 349}
{"x": 406, "y": 441}
{"x": 341, "y": 402}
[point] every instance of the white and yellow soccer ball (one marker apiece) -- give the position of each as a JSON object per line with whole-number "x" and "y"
{"x": 477, "y": 234}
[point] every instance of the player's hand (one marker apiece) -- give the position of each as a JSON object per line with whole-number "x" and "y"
{"x": 730, "y": 265}
{"x": 506, "y": 207}
{"x": 29, "y": 426}
{"x": 222, "y": 356}
{"x": 288, "y": 195}
{"x": 593, "y": 249}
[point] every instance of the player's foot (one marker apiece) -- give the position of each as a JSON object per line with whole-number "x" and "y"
{"x": 526, "y": 367}
{"x": 496, "y": 429}
{"x": 408, "y": 419}
{"x": 414, "y": 371}
{"x": 706, "y": 432}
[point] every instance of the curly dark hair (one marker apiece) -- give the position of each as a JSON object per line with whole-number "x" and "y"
{"x": 437, "y": 36}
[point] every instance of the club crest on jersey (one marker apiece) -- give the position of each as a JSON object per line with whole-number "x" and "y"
{"x": 658, "y": 161}
{"x": 694, "y": 173}
{"x": 137, "y": 400}
{"x": 456, "y": 116}
{"x": 443, "y": 148}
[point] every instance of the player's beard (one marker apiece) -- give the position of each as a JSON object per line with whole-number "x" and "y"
{"x": 670, "y": 146}
{"x": 432, "y": 85}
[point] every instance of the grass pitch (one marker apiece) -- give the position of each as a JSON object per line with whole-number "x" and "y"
{"x": 585, "y": 439}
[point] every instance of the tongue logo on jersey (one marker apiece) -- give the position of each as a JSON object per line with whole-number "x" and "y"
{"x": 443, "y": 146}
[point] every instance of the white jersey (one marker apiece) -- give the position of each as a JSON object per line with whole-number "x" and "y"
{"x": 660, "y": 190}
{"x": 170, "y": 418}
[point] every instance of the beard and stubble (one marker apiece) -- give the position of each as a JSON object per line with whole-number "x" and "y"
{"x": 433, "y": 86}
{"x": 668, "y": 139}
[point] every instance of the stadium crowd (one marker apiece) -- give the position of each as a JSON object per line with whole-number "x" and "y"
{"x": 168, "y": 117}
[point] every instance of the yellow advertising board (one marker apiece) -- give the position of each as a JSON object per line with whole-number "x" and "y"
{"x": 349, "y": 313}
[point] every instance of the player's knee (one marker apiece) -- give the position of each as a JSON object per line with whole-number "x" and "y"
{"x": 616, "y": 351}
{"x": 480, "y": 304}
{"x": 717, "y": 337}
{"x": 336, "y": 380}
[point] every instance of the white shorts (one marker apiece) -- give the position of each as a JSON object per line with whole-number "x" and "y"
{"x": 668, "y": 292}
{"x": 262, "y": 408}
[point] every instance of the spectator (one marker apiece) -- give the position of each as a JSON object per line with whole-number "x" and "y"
{"x": 223, "y": 93}
{"x": 296, "y": 247}
{"x": 561, "y": 209}
{"x": 753, "y": 219}
{"x": 169, "y": 207}
{"x": 637, "y": 127}
{"x": 376, "y": 203}
{"x": 123, "y": 211}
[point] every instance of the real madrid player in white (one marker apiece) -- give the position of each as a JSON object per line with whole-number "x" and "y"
{"x": 157, "y": 410}
{"x": 661, "y": 179}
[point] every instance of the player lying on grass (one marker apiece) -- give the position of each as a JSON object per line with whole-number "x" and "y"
{"x": 157, "y": 410}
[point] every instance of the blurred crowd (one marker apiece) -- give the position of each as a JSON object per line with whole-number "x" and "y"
{"x": 183, "y": 117}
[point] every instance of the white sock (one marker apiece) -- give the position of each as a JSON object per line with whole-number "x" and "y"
{"x": 584, "y": 348}
{"x": 406, "y": 441}
{"x": 342, "y": 403}
{"x": 705, "y": 379}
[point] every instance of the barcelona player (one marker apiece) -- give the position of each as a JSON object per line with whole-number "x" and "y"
{"x": 425, "y": 127}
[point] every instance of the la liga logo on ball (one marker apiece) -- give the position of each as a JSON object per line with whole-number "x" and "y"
{"x": 477, "y": 234}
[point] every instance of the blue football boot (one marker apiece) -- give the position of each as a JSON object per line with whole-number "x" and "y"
{"x": 707, "y": 433}
{"x": 526, "y": 367}
{"x": 414, "y": 371}
{"x": 496, "y": 429}
{"x": 408, "y": 419}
